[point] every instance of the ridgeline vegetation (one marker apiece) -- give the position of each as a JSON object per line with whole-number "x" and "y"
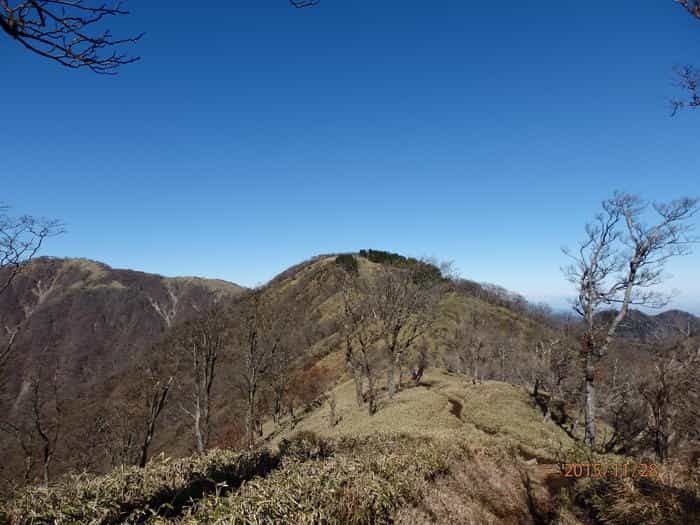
{"x": 363, "y": 387}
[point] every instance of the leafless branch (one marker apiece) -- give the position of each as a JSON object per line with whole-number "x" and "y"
{"x": 692, "y": 6}
{"x": 300, "y": 4}
{"x": 688, "y": 79}
{"x": 619, "y": 263}
{"x": 21, "y": 239}
{"x": 66, "y": 32}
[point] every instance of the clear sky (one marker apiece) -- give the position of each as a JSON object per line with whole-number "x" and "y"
{"x": 253, "y": 135}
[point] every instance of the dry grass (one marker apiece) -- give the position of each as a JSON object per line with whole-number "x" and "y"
{"x": 215, "y": 285}
{"x": 130, "y": 495}
{"x": 365, "y": 482}
{"x": 638, "y": 501}
{"x": 492, "y": 414}
{"x": 445, "y": 451}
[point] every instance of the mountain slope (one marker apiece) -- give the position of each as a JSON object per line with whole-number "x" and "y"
{"x": 664, "y": 326}
{"x": 92, "y": 316}
{"x": 97, "y": 322}
{"x": 442, "y": 451}
{"x": 89, "y": 321}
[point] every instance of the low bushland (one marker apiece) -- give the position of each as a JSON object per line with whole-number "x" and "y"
{"x": 131, "y": 494}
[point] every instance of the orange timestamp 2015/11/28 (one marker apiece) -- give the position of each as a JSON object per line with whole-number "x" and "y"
{"x": 617, "y": 470}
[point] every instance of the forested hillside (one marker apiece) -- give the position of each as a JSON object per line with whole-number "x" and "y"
{"x": 143, "y": 366}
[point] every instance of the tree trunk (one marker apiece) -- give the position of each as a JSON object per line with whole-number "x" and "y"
{"x": 250, "y": 422}
{"x": 332, "y": 420}
{"x": 399, "y": 359}
{"x": 277, "y": 409}
{"x": 463, "y": 362}
{"x": 198, "y": 430}
{"x": 589, "y": 395}
{"x": 660, "y": 438}
{"x": 391, "y": 386}
{"x": 357, "y": 376}
{"x": 371, "y": 406}
{"x": 144, "y": 449}
{"x": 292, "y": 419}
{"x": 48, "y": 455}
{"x": 46, "y": 474}
{"x": 28, "y": 466}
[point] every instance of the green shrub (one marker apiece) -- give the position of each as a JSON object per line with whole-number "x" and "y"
{"x": 424, "y": 272}
{"x": 348, "y": 262}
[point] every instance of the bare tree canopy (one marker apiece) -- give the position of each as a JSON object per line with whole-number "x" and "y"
{"x": 617, "y": 265}
{"x": 692, "y": 6}
{"x": 688, "y": 77}
{"x": 300, "y": 4}
{"x": 20, "y": 240}
{"x": 68, "y": 32}
{"x": 198, "y": 344}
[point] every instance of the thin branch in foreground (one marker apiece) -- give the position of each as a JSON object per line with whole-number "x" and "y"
{"x": 688, "y": 79}
{"x": 300, "y": 4}
{"x": 66, "y": 31}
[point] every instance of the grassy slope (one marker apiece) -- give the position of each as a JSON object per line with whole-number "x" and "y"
{"x": 443, "y": 406}
{"x": 471, "y": 445}
{"x": 445, "y": 451}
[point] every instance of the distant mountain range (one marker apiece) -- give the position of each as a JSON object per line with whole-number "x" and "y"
{"x": 663, "y": 326}
{"x": 93, "y": 317}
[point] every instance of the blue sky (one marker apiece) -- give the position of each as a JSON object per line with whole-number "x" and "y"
{"x": 251, "y": 137}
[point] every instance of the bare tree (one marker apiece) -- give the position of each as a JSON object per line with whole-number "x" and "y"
{"x": 286, "y": 333}
{"x": 280, "y": 379}
{"x": 258, "y": 344}
{"x": 155, "y": 393}
{"x": 617, "y": 265}
{"x": 354, "y": 366}
{"x": 470, "y": 343}
{"x": 403, "y": 304}
{"x": 199, "y": 343}
{"x": 94, "y": 439}
{"x": 688, "y": 77}
{"x": 333, "y": 418}
{"x": 68, "y": 32}
{"x": 42, "y": 423}
{"x": 8, "y": 344}
{"x": 552, "y": 367}
{"x": 121, "y": 438}
{"x": 625, "y": 413}
{"x": 504, "y": 346}
{"x": 362, "y": 335}
{"x": 21, "y": 238}
{"x": 670, "y": 394}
